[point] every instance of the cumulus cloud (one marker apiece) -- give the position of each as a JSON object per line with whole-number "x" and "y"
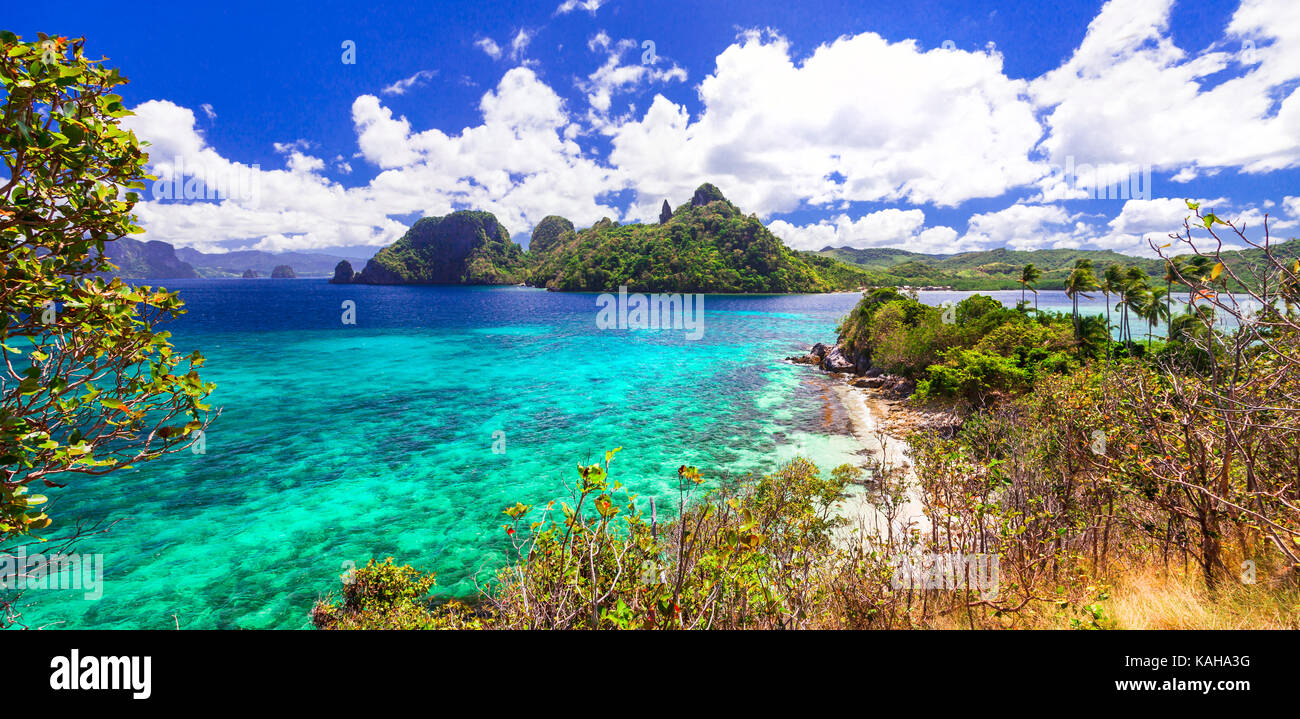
{"x": 1141, "y": 222}
{"x": 938, "y": 127}
{"x": 1019, "y": 226}
{"x": 1130, "y": 94}
{"x": 299, "y": 205}
{"x": 1023, "y": 227}
{"x": 885, "y": 228}
{"x": 518, "y": 163}
{"x": 600, "y": 40}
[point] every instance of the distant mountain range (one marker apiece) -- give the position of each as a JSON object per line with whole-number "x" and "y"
{"x": 999, "y": 269}
{"x": 235, "y": 264}
{"x": 155, "y": 260}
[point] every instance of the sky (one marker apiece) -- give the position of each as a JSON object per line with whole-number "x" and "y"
{"x": 932, "y": 126}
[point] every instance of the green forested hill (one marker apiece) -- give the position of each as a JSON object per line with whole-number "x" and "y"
{"x": 707, "y": 245}
{"x": 464, "y": 248}
{"x": 876, "y": 258}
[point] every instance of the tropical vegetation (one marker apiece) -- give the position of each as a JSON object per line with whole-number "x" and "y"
{"x": 91, "y": 384}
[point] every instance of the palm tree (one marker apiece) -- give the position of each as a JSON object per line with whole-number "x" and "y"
{"x": 1154, "y": 309}
{"x": 1080, "y": 280}
{"x": 1029, "y": 276}
{"x": 1112, "y": 283}
{"x": 1136, "y": 292}
{"x": 1136, "y": 284}
{"x": 1092, "y": 335}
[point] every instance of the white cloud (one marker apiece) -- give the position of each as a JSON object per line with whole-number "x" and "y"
{"x": 1129, "y": 94}
{"x": 520, "y": 164}
{"x": 207, "y": 110}
{"x": 401, "y": 86}
{"x": 614, "y": 77}
{"x": 1143, "y": 221}
{"x": 1019, "y": 226}
{"x": 860, "y": 119}
{"x": 940, "y": 127}
{"x": 890, "y": 227}
{"x": 600, "y": 40}
{"x": 519, "y": 44}
{"x": 489, "y": 46}
{"x": 569, "y": 6}
{"x": 886, "y": 228}
{"x": 1023, "y": 227}
{"x": 298, "y": 204}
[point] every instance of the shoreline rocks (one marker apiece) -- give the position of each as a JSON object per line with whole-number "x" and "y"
{"x": 891, "y": 390}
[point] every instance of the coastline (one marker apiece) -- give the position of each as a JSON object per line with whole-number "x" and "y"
{"x": 890, "y": 465}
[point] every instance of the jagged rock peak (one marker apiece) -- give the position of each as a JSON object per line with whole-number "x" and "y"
{"x": 706, "y": 193}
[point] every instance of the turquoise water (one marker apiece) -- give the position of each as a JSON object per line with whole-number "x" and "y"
{"x": 338, "y": 443}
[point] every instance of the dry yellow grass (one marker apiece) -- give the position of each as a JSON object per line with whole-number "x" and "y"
{"x": 1149, "y": 600}
{"x": 1145, "y": 598}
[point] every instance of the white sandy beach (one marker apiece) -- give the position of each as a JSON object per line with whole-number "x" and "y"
{"x": 866, "y": 417}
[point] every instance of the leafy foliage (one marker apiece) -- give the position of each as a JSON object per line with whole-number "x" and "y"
{"x": 383, "y": 595}
{"x": 735, "y": 558}
{"x": 90, "y": 385}
{"x": 976, "y": 349}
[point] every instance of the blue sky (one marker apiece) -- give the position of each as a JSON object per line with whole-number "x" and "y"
{"x": 934, "y": 126}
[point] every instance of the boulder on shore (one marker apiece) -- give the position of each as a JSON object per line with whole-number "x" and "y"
{"x": 836, "y": 361}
